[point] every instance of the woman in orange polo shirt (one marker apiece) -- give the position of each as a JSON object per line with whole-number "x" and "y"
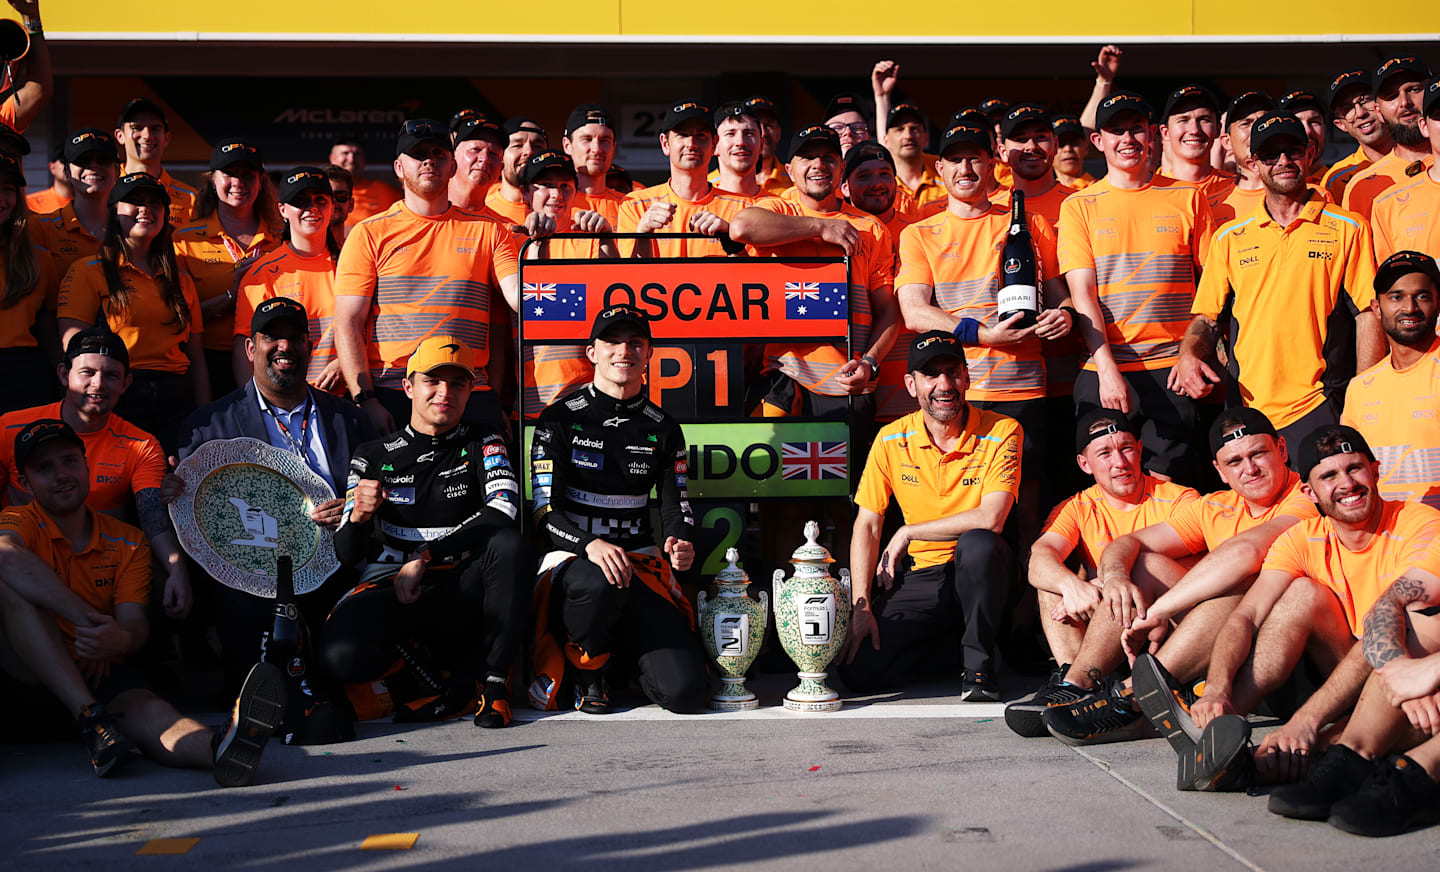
{"x": 303, "y": 269}
{"x": 236, "y": 219}
{"x": 27, "y": 301}
{"x": 136, "y": 283}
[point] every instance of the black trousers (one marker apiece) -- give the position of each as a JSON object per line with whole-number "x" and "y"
{"x": 1169, "y": 423}
{"x": 30, "y": 380}
{"x": 926, "y": 609}
{"x": 473, "y": 613}
{"x": 636, "y": 625}
{"x": 1322, "y": 415}
{"x": 158, "y": 403}
{"x": 242, "y": 620}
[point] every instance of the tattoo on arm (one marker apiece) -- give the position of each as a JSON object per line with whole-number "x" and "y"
{"x": 154, "y": 518}
{"x": 1385, "y": 625}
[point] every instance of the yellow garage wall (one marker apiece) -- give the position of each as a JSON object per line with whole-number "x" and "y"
{"x": 861, "y": 20}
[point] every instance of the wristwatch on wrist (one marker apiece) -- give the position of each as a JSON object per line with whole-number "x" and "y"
{"x": 364, "y": 397}
{"x": 870, "y": 362}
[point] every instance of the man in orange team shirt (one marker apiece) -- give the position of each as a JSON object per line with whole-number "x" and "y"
{"x": 370, "y": 196}
{"x": 1408, "y": 215}
{"x": 1240, "y": 116}
{"x": 1399, "y": 93}
{"x": 1383, "y": 401}
{"x": 144, "y": 132}
{"x": 907, "y": 135}
{"x": 737, "y": 150}
{"x": 589, "y": 140}
{"x": 58, "y": 194}
{"x": 1135, "y": 244}
{"x": 1306, "y": 106}
{"x": 479, "y": 146}
{"x": 1189, "y": 124}
{"x": 687, "y": 202}
{"x": 846, "y": 115}
{"x": 524, "y": 138}
{"x": 1354, "y": 111}
{"x": 421, "y": 268}
{"x": 1071, "y": 149}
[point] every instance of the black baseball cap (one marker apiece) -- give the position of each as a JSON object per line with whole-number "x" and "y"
{"x": 42, "y": 432}
{"x": 461, "y": 117}
{"x": 524, "y": 124}
{"x": 994, "y": 108}
{"x": 968, "y": 115}
{"x": 621, "y": 314}
{"x": 864, "y": 152}
{"x": 845, "y": 101}
{"x": 10, "y": 167}
{"x": 478, "y": 127}
{"x": 1276, "y": 125}
{"x": 142, "y": 106}
{"x": 1432, "y": 97}
{"x": 301, "y": 180}
{"x": 587, "y": 113}
{"x": 1188, "y": 97}
{"x": 928, "y": 346}
{"x": 759, "y": 105}
{"x": 232, "y": 151}
{"x": 1021, "y": 114}
{"x": 902, "y": 110}
{"x": 278, "y": 309}
{"x": 12, "y": 141}
{"x": 1342, "y": 439}
{"x": 1237, "y": 423}
{"x": 1403, "y": 263}
{"x": 1102, "y": 422}
{"x": 1298, "y": 100}
{"x": 1248, "y": 103}
{"x": 89, "y": 140}
{"x": 133, "y": 183}
{"x": 418, "y": 131}
{"x": 685, "y": 110}
{"x": 1064, "y": 125}
{"x": 544, "y": 162}
{"x": 1119, "y": 103}
{"x": 1356, "y": 78}
{"x": 1397, "y": 65}
{"x": 98, "y": 339}
{"x": 814, "y": 133}
{"x": 962, "y": 134}
{"x": 735, "y": 109}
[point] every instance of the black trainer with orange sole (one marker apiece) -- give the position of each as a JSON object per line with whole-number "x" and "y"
{"x": 1164, "y": 702}
{"x": 1222, "y": 761}
{"x": 259, "y": 710}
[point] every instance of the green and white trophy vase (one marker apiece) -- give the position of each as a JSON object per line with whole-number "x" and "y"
{"x": 812, "y": 616}
{"x": 733, "y": 628}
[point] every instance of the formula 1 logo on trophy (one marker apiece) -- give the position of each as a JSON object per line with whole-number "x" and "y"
{"x": 812, "y": 617}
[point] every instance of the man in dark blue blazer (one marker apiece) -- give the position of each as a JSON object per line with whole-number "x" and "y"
{"x": 279, "y": 408}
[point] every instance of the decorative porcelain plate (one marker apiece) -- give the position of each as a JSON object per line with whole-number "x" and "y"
{"x": 246, "y": 502}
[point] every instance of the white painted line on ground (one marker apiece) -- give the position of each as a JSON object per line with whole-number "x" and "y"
{"x": 1198, "y": 830}
{"x": 776, "y": 713}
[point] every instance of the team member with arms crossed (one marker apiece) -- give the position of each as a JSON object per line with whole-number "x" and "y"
{"x": 607, "y": 601}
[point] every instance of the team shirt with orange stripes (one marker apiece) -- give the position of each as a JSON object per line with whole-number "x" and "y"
{"x": 1289, "y": 296}
{"x": 308, "y": 280}
{"x": 1386, "y": 173}
{"x": 1396, "y": 411}
{"x": 1407, "y": 218}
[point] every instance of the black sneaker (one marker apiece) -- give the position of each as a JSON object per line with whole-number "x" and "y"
{"x": 979, "y": 687}
{"x": 494, "y": 705}
{"x": 1165, "y": 703}
{"x": 1023, "y": 716}
{"x": 591, "y": 696}
{"x": 109, "y": 748}
{"x": 1399, "y": 796}
{"x": 259, "y": 709}
{"x": 1333, "y": 775}
{"x": 459, "y": 699}
{"x": 1106, "y": 714}
{"x": 1221, "y": 761}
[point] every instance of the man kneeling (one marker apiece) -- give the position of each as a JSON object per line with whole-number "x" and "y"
{"x": 74, "y": 593}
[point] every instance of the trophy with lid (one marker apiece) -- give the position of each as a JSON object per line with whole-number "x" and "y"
{"x": 812, "y": 617}
{"x": 733, "y": 626}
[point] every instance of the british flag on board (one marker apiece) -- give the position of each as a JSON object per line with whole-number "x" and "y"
{"x": 812, "y": 460}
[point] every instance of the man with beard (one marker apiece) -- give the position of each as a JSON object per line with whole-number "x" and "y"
{"x": 737, "y": 150}
{"x": 1354, "y": 111}
{"x": 1027, "y": 147}
{"x": 1189, "y": 124}
{"x": 342, "y": 194}
{"x": 1408, "y": 215}
{"x": 946, "y": 571}
{"x": 1320, "y": 256}
{"x": 589, "y": 140}
{"x": 1213, "y": 545}
{"x": 686, "y": 202}
{"x": 466, "y": 262}
{"x": 123, "y": 459}
{"x": 1309, "y": 601}
{"x": 1381, "y": 400}
{"x": 1133, "y": 316}
{"x": 479, "y": 150}
{"x": 525, "y": 138}
{"x": 278, "y": 408}
{"x": 1399, "y": 94}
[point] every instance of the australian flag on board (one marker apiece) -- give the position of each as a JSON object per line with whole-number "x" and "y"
{"x": 815, "y": 300}
{"x": 553, "y": 301}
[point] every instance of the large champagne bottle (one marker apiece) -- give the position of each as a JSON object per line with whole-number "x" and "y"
{"x": 286, "y": 645}
{"x": 1019, "y": 287}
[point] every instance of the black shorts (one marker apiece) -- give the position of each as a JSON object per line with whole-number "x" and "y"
{"x": 1295, "y": 432}
{"x": 42, "y": 716}
{"x": 1031, "y": 415}
{"x": 1168, "y": 422}
{"x": 1285, "y": 700}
